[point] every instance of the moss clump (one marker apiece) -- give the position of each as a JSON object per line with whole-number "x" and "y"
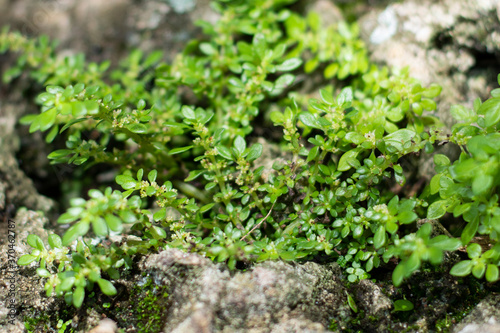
{"x": 148, "y": 303}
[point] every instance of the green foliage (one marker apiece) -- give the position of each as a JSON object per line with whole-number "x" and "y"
{"x": 402, "y": 305}
{"x": 149, "y": 301}
{"x": 469, "y": 187}
{"x": 207, "y": 188}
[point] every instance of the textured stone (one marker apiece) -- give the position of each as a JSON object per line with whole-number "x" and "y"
{"x": 273, "y": 296}
{"x": 485, "y": 317}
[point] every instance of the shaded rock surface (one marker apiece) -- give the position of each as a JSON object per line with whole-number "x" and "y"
{"x": 20, "y": 287}
{"x": 453, "y": 43}
{"x": 16, "y": 188}
{"x": 106, "y": 30}
{"x": 484, "y": 318}
{"x": 270, "y": 297}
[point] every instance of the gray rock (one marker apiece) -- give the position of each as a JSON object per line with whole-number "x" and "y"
{"x": 372, "y": 300}
{"x": 16, "y": 188}
{"x": 485, "y": 317}
{"x": 20, "y": 287}
{"x": 447, "y": 42}
{"x": 439, "y": 40}
{"x": 269, "y": 297}
{"x": 107, "y": 30}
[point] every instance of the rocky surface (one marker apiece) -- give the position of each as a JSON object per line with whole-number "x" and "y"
{"x": 441, "y": 41}
{"x": 453, "y": 43}
{"x": 484, "y": 318}
{"x": 106, "y": 30}
{"x": 20, "y": 287}
{"x": 270, "y": 297}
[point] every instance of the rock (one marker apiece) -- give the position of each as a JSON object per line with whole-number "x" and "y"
{"x": 327, "y": 10}
{"x": 16, "y": 188}
{"x": 107, "y": 30}
{"x": 372, "y": 300}
{"x": 20, "y": 286}
{"x": 440, "y": 42}
{"x": 452, "y": 43}
{"x": 105, "y": 326}
{"x": 272, "y": 296}
{"x": 485, "y": 317}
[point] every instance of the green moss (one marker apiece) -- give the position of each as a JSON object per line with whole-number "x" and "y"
{"x": 45, "y": 323}
{"x": 33, "y": 324}
{"x": 148, "y": 303}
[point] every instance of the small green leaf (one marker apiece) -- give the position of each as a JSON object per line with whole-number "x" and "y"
{"x": 26, "y": 259}
{"x": 55, "y": 241}
{"x": 445, "y": 243}
{"x": 492, "y": 273}
{"x": 309, "y": 119}
{"x": 47, "y": 119}
{"x": 403, "y": 305}
{"x": 141, "y": 105}
{"x": 474, "y": 250}
{"x": 461, "y": 113}
{"x": 478, "y": 270}
{"x": 137, "y": 128}
{"x": 331, "y": 70}
{"x": 158, "y": 233}
{"x": 67, "y": 283}
{"x": 206, "y": 208}
{"x": 240, "y": 144}
{"x": 179, "y": 150}
{"x": 42, "y": 272}
{"x": 152, "y": 176}
{"x": 99, "y": 226}
{"x": 407, "y": 217}
{"x": 52, "y": 134}
{"x": 188, "y": 113}
{"x": 400, "y": 138}
{"x": 78, "y": 296}
{"x": 92, "y": 107}
{"x": 433, "y": 91}
{"x": 34, "y": 241}
{"x": 194, "y": 174}
{"x": 436, "y": 209}
{"x": 114, "y": 223}
{"x": 313, "y": 153}
{"x": 352, "y": 303}
{"x": 491, "y": 111}
{"x": 208, "y": 49}
{"x": 482, "y": 183}
{"x": 462, "y": 268}
{"x": 254, "y": 152}
{"x": 287, "y": 255}
{"x": 79, "y": 229}
{"x": 160, "y": 215}
{"x": 28, "y": 119}
{"x": 470, "y": 231}
{"x": 277, "y": 117}
{"x": 398, "y": 274}
{"x": 355, "y": 138}
{"x": 327, "y": 97}
{"x": 283, "y": 81}
{"x": 346, "y": 160}
{"x": 126, "y": 182}
{"x": 441, "y": 160}
{"x": 289, "y": 65}
{"x": 428, "y": 104}
{"x": 345, "y": 96}
{"x": 224, "y": 152}
{"x": 380, "y": 237}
